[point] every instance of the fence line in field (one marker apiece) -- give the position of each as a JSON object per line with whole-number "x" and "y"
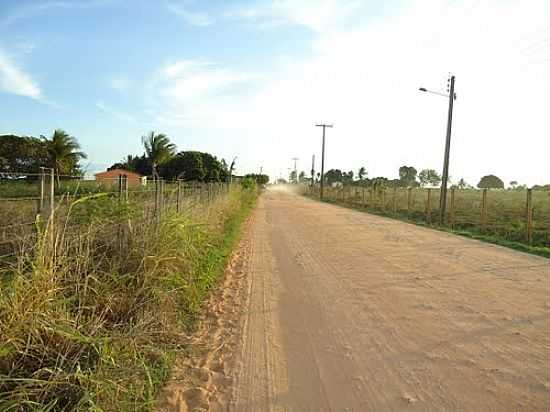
{"x": 47, "y": 200}
{"x": 521, "y": 216}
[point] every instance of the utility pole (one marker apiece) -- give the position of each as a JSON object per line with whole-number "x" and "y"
{"x": 324, "y": 126}
{"x": 312, "y": 170}
{"x": 445, "y": 177}
{"x": 295, "y": 159}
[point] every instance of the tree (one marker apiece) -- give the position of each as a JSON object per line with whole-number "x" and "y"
{"x": 333, "y": 176}
{"x": 514, "y": 184}
{"x": 362, "y": 173}
{"x": 407, "y": 175}
{"x": 20, "y": 154}
{"x": 293, "y": 177}
{"x": 462, "y": 184}
{"x": 186, "y": 166}
{"x": 302, "y": 176}
{"x": 347, "y": 177}
{"x": 138, "y": 164}
{"x": 429, "y": 177}
{"x": 490, "y": 182}
{"x": 158, "y": 150}
{"x": 260, "y": 179}
{"x": 63, "y": 153}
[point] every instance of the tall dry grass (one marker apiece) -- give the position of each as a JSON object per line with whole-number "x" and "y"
{"x": 93, "y": 312}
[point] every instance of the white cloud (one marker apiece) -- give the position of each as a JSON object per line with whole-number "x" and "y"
{"x": 14, "y": 80}
{"x": 197, "y": 19}
{"x": 119, "y": 83}
{"x": 317, "y": 15}
{"x": 43, "y": 6}
{"x": 195, "y": 91}
{"x": 365, "y": 80}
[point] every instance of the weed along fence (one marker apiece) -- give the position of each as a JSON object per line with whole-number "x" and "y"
{"x": 512, "y": 215}
{"x": 34, "y": 203}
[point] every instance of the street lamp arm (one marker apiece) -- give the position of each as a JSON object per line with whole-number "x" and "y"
{"x": 423, "y": 89}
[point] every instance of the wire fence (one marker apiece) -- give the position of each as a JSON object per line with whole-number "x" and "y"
{"x": 514, "y": 215}
{"x": 33, "y": 203}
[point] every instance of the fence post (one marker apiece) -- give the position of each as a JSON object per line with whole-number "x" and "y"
{"x": 383, "y": 199}
{"x": 42, "y": 189}
{"x": 429, "y": 207}
{"x": 126, "y": 192}
{"x": 409, "y": 198}
{"x": 119, "y": 188}
{"x": 162, "y": 197}
{"x": 178, "y": 197}
{"x": 52, "y": 211}
{"x": 395, "y": 200}
{"x": 452, "y": 209}
{"x": 364, "y": 204}
{"x": 484, "y": 210}
{"x": 529, "y": 206}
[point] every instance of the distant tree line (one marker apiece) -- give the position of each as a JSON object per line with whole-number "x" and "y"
{"x": 260, "y": 179}
{"x": 410, "y": 177}
{"x": 27, "y": 154}
{"x": 161, "y": 160}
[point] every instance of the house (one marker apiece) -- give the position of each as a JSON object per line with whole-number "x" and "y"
{"x": 110, "y": 177}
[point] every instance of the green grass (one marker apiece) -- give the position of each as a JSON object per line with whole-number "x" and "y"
{"x": 97, "y": 325}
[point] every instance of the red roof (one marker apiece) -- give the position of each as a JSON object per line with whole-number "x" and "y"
{"x": 116, "y": 172}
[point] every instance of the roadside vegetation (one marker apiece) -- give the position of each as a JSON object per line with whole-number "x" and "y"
{"x": 96, "y": 303}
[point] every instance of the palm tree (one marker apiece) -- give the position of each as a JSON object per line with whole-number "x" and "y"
{"x": 63, "y": 152}
{"x": 231, "y": 168}
{"x": 158, "y": 150}
{"x": 362, "y": 173}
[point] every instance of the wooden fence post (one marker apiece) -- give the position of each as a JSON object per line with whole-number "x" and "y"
{"x": 52, "y": 212}
{"x": 529, "y": 216}
{"x": 383, "y": 199}
{"x": 119, "y": 184}
{"x": 452, "y": 209}
{"x": 178, "y": 198}
{"x": 429, "y": 207}
{"x": 484, "y": 210}
{"x": 409, "y": 199}
{"x": 42, "y": 191}
{"x": 395, "y": 200}
{"x": 364, "y": 204}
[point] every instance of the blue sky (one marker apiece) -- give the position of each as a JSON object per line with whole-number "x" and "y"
{"x": 251, "y": 78}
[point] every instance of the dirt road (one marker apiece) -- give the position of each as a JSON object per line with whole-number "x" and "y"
{"x": 348, "y": 311}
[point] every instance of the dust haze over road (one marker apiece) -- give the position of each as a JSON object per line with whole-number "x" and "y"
{"x": 348, "y": 311}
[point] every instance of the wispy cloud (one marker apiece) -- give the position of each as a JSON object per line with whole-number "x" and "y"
{"x": 192, "y": 18}
{"x": 115, "y": 113}
{"x": 31, "y": 10}
{"x": 14, "y": 80}
{"x": 193, "y": 81}
{"x": 119, "y": 83}
{"x": 316, "y": 15}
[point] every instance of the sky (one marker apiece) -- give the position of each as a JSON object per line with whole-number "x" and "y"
{"x": 252, "y": 78}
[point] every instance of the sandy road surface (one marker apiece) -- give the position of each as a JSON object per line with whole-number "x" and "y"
{"x": 351, "y": 312}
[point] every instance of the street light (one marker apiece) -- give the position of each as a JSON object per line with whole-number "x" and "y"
{"x": 445, "y": 177}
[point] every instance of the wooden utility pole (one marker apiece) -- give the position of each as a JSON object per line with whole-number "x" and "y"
{"x": 295, "y": 160}
{"x": 324, "y": 126}
{"x": 312, "y": 170}
{"x": 445, "y": 177}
